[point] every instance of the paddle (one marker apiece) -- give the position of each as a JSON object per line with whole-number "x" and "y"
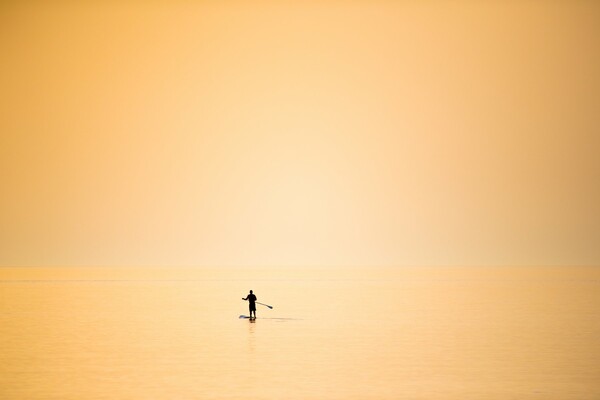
{"x": 266, "y": 305}
{"x": 262, "y": 304}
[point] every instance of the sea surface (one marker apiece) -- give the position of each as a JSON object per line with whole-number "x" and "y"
{"x": 333, "y": 333}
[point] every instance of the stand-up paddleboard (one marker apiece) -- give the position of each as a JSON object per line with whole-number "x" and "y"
{"x": 278, "y": 319}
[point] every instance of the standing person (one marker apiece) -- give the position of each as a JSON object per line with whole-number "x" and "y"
{"x": 252, "y": 300}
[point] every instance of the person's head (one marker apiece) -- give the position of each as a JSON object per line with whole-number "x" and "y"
{"x": 251, "y": 292}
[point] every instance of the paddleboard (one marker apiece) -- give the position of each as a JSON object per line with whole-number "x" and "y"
{"x": 276, "y": 319}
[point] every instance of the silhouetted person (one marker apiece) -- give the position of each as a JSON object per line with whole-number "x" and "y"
{"x": 252, "y": 300}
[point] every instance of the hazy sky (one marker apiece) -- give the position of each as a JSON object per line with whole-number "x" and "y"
{"x": 300, "y": 133}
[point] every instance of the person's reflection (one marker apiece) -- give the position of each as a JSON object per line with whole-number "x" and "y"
{"x": 252, "y": 335}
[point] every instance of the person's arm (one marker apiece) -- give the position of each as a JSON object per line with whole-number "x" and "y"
{"x": 245, "y": 298}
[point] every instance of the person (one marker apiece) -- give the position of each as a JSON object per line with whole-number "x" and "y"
{"x": 251, "y": 298}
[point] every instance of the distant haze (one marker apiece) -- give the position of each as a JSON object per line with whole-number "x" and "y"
{"x": 300, "y": 133}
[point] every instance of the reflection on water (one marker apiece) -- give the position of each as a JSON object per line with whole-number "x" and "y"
{"x": 362, "y": 333}
{"x": 251, "y": 338}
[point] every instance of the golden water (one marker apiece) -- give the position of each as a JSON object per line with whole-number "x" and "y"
{"x": 353, "y": 333}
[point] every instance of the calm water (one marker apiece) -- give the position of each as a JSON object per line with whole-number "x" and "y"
{"x": 362, "y": 333}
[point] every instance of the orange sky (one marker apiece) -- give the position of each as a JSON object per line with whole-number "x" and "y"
{"x": 300, "y": 133}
